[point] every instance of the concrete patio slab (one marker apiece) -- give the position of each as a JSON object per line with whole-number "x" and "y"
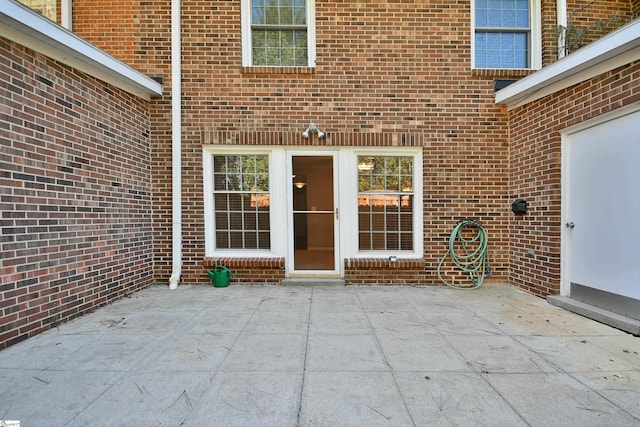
{"x": 557, "y": 399}
{"x": 621, "y": 387}
{"x": 429, "y": 353}
{"x": 251, "y": 355}
{"x": 352, "y": 399}
{"x": 454, "y": 399}
{"x": 263, "y": 398}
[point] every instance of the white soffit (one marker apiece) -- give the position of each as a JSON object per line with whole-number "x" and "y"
{"x": 28, "y": 28}
{"x": 614, "y": 50}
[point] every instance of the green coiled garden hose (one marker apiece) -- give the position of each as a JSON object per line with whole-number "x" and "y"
{"x": 474, "y": 259}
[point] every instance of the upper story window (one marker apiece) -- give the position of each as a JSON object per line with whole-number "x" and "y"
{"x": 46, "y": 8}
{"x": 506, "y": 34}
{"x": 278, "y": 33}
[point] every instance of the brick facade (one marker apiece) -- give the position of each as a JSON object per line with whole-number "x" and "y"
{"x": 85, "y": 169}
{"x": 75, "y": 195}
{"x": 383, "y": 68}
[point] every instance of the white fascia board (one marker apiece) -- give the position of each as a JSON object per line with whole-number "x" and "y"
{"x": 28, "y": 28}
{"x": 614, "y": 50}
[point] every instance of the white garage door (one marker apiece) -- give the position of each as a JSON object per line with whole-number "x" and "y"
{"x": 601, "y": 206}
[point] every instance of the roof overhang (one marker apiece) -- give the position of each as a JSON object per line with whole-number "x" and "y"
{"x": 28, "y": 28}
{"x": 614, "y": 50}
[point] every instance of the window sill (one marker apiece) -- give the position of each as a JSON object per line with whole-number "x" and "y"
{"x": 501, "y": 72}
{"x": 271, "y": 71}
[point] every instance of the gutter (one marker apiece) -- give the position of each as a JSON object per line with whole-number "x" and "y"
{"x": 176, "y": 146}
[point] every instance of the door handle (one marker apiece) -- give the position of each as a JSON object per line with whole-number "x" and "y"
{"x": 569, "y": 225}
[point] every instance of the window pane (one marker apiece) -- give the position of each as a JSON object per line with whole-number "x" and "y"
{"x": 271, "y": 15}
{"x": 236, "y": 240}
{"x": 385, "y": 186}
{"x": 364, "y": 241}
{"x": 481, "y": 17}
{"x": 502, "y": 50}
{"x": 241, "y": 201}
{"x": 508, "y": 18}
{"x": 222, "y": 239}
{"x": 259, "y": 56}
{"x": 286, "y": 39}
{"x": 496, "y": 48}
{"x": 393, "y": 242}
{"x": 406, "y": 241}
{"x": 300, "y": 13}
{"x": 521, "y": 50}
{"x": 286, "y": 15}
{"x": 250, "y": 240}
{"x": 378, "y": 242}
{"x": 279, "y": 45}
{"x": 259, "y": 40}
{"x": 273, "y": 56}
{"x": 502, "y": 13}
{"x": 264, "y": 240}
{"x": 522, "y": 18}
{"x": 257, "y": 15}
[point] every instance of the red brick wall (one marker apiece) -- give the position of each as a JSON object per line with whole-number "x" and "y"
{"x": 382, "y": 68}
{"x": 139, "y": 33}
{"x": 263, "y": 271}
{"x": 75, "y": 193}
{"x": 536, "y": 167}
{"x": 113, "y": 28}
{"x": 380, "y": 271}
{"x": 587, "y": 12}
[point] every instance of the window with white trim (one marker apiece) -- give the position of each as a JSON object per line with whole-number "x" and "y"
{"x": 385, "y": 203}
{"x": 278, "y": 33}
{"x": 248, "y": 201}
{"x": 241, "y": 201}
{"x": 506, "y": 34}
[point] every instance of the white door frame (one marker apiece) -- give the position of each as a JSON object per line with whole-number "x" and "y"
{"x": 290, "y": 267}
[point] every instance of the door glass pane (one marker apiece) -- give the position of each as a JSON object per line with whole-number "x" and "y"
{"x": 314, "y": 241}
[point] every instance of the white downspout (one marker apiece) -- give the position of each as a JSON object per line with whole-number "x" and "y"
{"x": 176, "y": 145}
{"x": 561, "y": 13}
